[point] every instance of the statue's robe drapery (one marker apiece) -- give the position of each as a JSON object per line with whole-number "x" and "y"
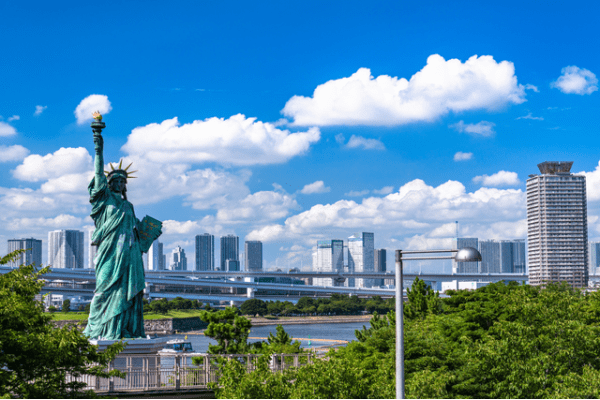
{"x": 117, "y": 307}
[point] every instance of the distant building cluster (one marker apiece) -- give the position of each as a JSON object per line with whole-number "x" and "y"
{"x": 497, "y": 256}
{"x": 557, "y": 244}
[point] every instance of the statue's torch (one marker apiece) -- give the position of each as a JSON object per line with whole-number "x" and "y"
{"x": 97, "y": 125}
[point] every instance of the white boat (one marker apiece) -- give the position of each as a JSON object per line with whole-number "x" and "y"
{"x": 178, "y": 346}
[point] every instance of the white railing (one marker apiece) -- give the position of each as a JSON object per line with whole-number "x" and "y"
{"x": 151, "y": 372}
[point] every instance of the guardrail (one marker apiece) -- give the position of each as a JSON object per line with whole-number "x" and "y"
{"x": 168, "y": 373}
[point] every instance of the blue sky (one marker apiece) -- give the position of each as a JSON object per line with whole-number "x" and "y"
{"x": 290, "y": 122}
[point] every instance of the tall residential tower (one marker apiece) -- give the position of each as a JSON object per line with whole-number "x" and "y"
{"x": 330, "y": 258}
{"x": 205, "y": 252}
{"x": 65, "y": 249}
{"x": 557, "y": 225}
{"x": 361, "y": 256}
{"x": 253, "y": 255}
{"x": 32, "y": 255}
{"x": 230, "y": 251}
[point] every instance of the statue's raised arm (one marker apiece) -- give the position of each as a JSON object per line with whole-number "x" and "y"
{"x": 97, "y": 127}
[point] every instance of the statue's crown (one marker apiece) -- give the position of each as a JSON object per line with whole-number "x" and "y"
{"x": 119, "y": 172}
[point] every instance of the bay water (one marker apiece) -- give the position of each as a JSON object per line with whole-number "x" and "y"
{"x": 309, "y": 335}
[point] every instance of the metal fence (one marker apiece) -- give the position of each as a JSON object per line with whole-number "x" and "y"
{"x": 151, "y": 372}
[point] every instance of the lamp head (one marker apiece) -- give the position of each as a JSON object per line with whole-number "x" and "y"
{"x": 467, "y": 254}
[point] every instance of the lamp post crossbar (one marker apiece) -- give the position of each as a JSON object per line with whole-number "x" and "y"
{"x": 428, "y": 258}
{"x": 428, "y": 251}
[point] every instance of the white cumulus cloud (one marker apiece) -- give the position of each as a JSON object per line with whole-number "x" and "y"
{"x": 315, "y": 187}
{"x": 530, "y": 116}
{"x": 367, "y": 144}
{"x": 357, "y": 193}
{"x": 442, "y": 86}
{"x": 576, "y": 80}
{"x": 39, "y": 110}
{"x": 257, "y": 207}
{"x": 62, "y": 221}
{"x": 592, "y": 180}
{"x": 13, "y": 153}
{"x": 384, "y": 190}
{"x": 94, "y": 102}
{"x": 460, "y": 156}
{"x": 7, "y": 129}
{"x": 237, "y": 140}
{"x": 416, "y": 207}
{"x": 483, "y": 128}
{"x": 64, "y": 161}
{"x": 500, "y": 178}
{"x": 14, "y": 118}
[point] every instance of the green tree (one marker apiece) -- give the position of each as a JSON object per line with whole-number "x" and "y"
{"x": 229, "y": 329}
{"x": 36, "y": 358}
{"x": 422, "y": 299}
{"x": 66, "y": 305}
{"x": 253, "y": 307}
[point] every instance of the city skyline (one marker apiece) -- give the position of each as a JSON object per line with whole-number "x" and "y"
{"x": 246, "y": 123}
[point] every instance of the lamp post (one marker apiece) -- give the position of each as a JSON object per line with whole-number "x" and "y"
{"x": 466, "y": 254}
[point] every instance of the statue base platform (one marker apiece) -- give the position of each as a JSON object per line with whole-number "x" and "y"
{"x": 134, "y": 346}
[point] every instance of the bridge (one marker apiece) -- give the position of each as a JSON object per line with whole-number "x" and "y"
{"x": 239, "y": 286}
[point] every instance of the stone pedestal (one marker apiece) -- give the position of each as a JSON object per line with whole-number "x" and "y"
{"x": 135, "y": 346}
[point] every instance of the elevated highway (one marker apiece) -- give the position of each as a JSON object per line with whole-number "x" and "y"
{"x": 231, "y": 286}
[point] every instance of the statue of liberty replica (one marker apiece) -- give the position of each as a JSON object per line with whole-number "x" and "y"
{"x": 117, "y": 308}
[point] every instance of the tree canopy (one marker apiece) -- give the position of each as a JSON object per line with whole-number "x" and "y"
{"x": 36, "y": 358}
{"x": 502, "y": 340}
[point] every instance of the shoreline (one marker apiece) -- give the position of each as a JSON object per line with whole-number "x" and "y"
{"x": 193, "y": 324}
{"x": 329, "y": 319}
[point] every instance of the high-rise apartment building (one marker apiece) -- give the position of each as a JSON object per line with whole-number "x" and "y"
{"x": 330, "y": 258}
{"x": 205, "y": 252}
{"x": 502, "y": 256}
{"x": 557, "y": 225}
{"x": 594, "y": 258}
{"x": 380, "y": 261}
{"x": 230, "y": 250}
{"x": 253, "y": 255}
{"x": 65, "y": 249}
{"x": 361, "y": 256}
{"x": 32, "y": 255}
{"x": 471, "y": 267}
{"x": 156, "y": 257}
{"x": 179, "y": 260}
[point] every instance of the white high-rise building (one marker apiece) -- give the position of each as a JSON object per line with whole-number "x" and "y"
{"x": 594, "y": 261}
{"x": 253, "y": 255}
{"x": 178, "y": 260}
{"x": 361, "y": 256}
{"x": 32, "y": 255}
{"x": 65, "y": 249}
{"x": 330, "y": 258}
{"x": 557, "y": 225}
{"x": 502, "y": 256}
{"x": 155, "y": 257}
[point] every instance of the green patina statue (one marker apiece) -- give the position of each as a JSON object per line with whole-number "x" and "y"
{"x": 117, "y": 307}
